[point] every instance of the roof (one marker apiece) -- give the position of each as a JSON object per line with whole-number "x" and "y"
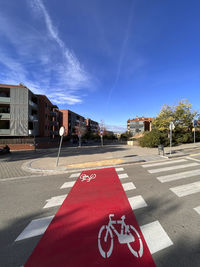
{"x": 9, "y": 85}
{"x": 142, "y": 119}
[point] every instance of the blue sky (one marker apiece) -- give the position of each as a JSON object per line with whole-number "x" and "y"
{"x": 109, "y": 60}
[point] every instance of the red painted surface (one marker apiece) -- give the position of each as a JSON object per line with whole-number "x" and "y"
{"x": 72, "y": 237}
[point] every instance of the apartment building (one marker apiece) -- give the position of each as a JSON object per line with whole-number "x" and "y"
{"x": 19, "y": 111}
{"x": 73, "y": 122}
{"x": 139, "y": 125}
{"x": 92, "y": 126}
{"x": 49, "y": 121}
{"x": 25, "y": 114}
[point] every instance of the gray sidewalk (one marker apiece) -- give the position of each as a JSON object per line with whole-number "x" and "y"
{"x": 90, "y": 157}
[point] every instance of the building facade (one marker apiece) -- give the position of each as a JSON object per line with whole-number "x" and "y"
{"x": 73, "y": 122}
{"x": 139, "y": 125}
{"x": 19, "y": 110}
{"x": 92, "y": 126}
{"x": 49, "y": 121}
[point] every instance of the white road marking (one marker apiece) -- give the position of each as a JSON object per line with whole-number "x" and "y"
{"x": 123, "y": 175}
{"x": 119, "y": 169}
{"x": 35, "y": 228}
{"x": 186, "y": 189}
{"x": 137, "y": 202}
{"x": 197, "y": 209}
{"x": 74, "y": 175}
{"x": 128, "y": 186}
{"x": 155, "y": 236}
{"x": 177, "y": 176}
{"x": 198, "y": 160}
{"x": 163, "y": 163}
{"x": 174, "y": 167}
{"x": 68, "y": 184}
{"x": 55, "y": 201}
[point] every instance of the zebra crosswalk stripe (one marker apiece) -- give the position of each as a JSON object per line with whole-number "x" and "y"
{"x": 55, "y": 201}
{"x": 154, "y": 234}
{"x": 128, "y": 186}
{"x": 119, "y": 169}
{"x": 35, "y": 227}
{"x": 123, "y": 175}
{"x": 177, "y": 176}
{"x": 187, "y": 189}
{"x": 74, "y": 175}
{"x": 137, "y": 202}
{"x": 163, "y": 163}
{"x": 68, "y": 185}
{"x": 176, "y": 167}
{"x": 197, "y": 209}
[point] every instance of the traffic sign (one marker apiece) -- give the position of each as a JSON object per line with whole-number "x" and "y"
{"x": 62, "y": 131}
{"x": 95, "y": 226}
{"x": 195, "y": 123}
{"x": 171, "y": 126}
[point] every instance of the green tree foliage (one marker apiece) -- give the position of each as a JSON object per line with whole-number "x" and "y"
{"x": 182, "y": 115}
{"x": 154, "y": 138}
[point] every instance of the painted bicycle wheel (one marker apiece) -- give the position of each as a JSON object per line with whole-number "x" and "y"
{"x": 105, "y": 245}
{"x": 135, "y": 247}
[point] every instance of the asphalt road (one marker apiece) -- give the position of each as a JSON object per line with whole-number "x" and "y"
{"x": 168, "y": 206}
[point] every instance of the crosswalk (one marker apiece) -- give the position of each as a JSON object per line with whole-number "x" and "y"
{"x": 155, "y": 236}
{"x": 178, "y": 175}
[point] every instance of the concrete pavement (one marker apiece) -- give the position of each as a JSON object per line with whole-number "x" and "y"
{"x": 91, "y": 157}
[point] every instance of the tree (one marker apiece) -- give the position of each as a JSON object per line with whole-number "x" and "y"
{"x": 181, "y": 115}
{"x": 80, "y": 130}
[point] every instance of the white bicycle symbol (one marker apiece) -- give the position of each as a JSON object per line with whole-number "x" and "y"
{"x": 85, "y": 177}
{"x": 124, "y": 237}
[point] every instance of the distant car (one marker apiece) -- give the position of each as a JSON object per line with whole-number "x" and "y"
{"x": 4, "y": 150}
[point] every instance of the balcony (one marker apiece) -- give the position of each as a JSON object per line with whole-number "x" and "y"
{"x": 4, "y": 131}
{"x": 54, "y": 123}
{"x": 53, "y": 113}
{"x": 4, "y": 116}
{"x": 33, "y": 118}
{"x": 4, "y": 100}
{"x": 32, "y": 104}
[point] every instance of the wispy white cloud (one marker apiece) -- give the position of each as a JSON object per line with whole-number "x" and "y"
{"x": 76, "y": 76}
{"x": 40, "y": 59}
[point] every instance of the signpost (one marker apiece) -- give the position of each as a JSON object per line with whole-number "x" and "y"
{"x": 61, "y": 133}
{"x": 101, "y": 135}
{"x": 171, "y": 127}
{"x": 194, "y": 125}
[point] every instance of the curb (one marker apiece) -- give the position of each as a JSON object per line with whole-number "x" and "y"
{"x": 27, "y": 167}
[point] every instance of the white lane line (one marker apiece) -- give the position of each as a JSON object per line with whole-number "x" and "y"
{"x": 128, "y": 186}
{"x": 35, "y": 228}
{"x": 123, "y": 175}
{"x": 187, "y": 189}
{"x": 197, "y": 209}
{"x": 163, "y": 163}
{"x": 74, "y": 175}
{"x": 198, "y": 160}
{"x": 119, "y": 169}
{"x": 177, "y": 176}
{"x": 68, "y": 184}
{"x": 137, "y": 202}
{"x": 55, "y": 201}
{"x": 155, "y": 236}
{"x": 174, "y": 167}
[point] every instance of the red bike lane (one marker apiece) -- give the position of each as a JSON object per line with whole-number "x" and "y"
{"x": 95, "y": 226}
